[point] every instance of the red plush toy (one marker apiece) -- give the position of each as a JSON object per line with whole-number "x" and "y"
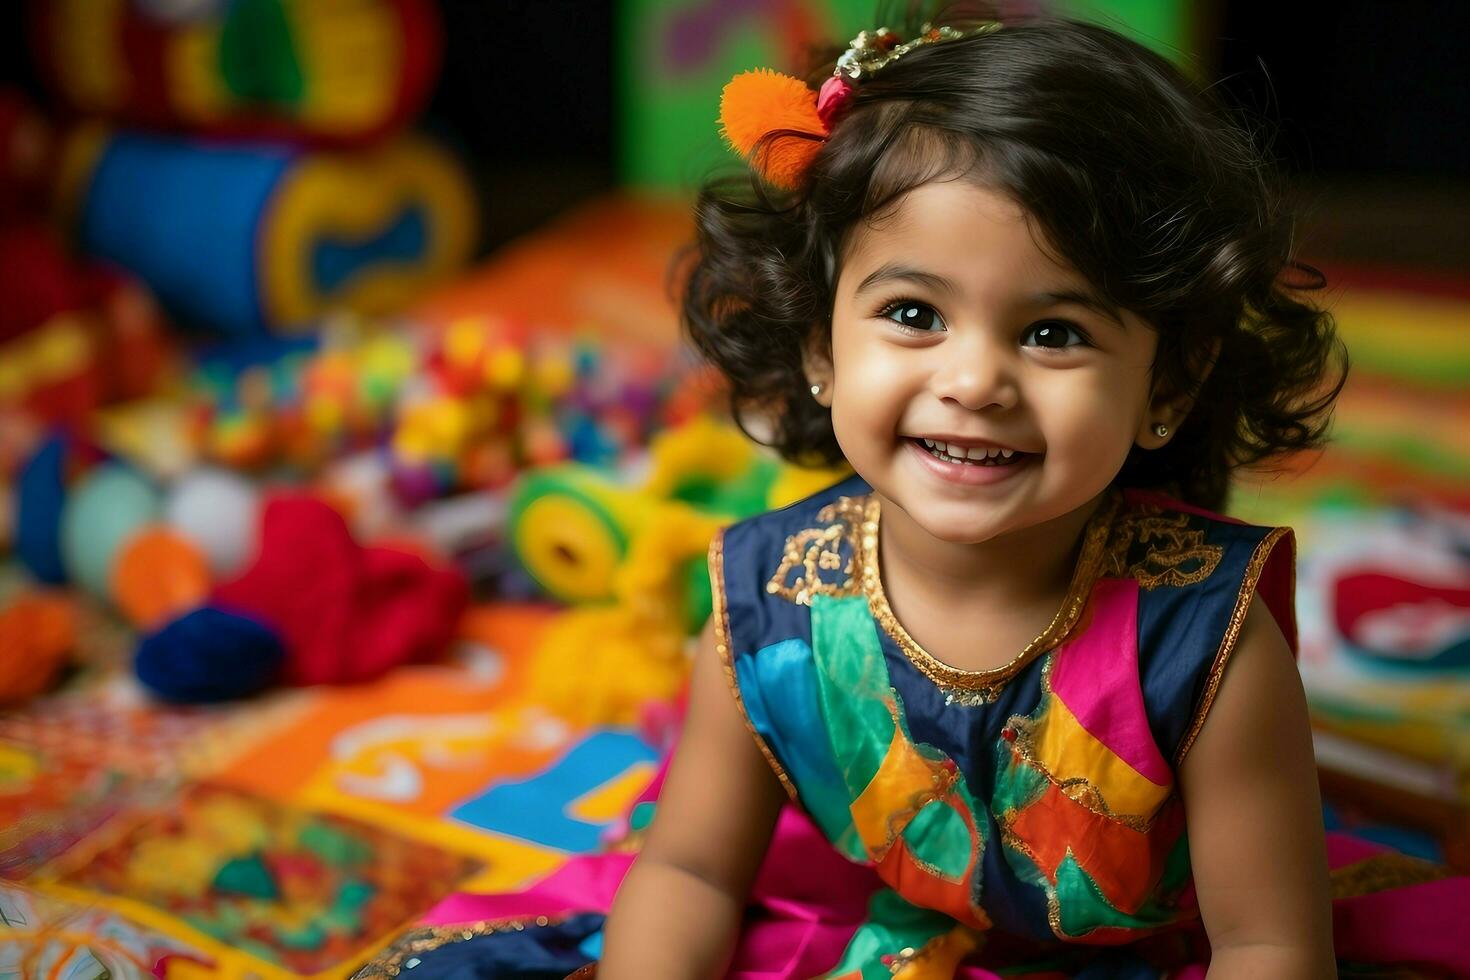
{"x": 344, "y": 613}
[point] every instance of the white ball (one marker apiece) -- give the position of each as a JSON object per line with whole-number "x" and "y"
{"x": 219, "y": 511}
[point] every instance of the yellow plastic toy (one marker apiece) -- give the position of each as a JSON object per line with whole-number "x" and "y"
{"x": 632, "y": 561}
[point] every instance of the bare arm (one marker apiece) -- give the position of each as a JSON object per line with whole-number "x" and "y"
{"x": 1255, "y": 818}
{"x": 678, "y": 911}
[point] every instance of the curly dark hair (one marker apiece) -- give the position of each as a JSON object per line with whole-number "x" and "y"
{"x": 1130, "y": 172}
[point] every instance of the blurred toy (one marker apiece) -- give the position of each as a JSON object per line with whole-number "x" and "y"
{"x": 573, "y": 527}
{"x": 73, "y": 335}
{"x": 343, "y": 72}
{"x": 463, "y": 408}
{"x": 209, "y": 655}
{"x": 151, "y": 549}
{"x": 1384, "y": 608}
{"x": 37, "y": 632}
{"x": 256, "y": 237}
{"x": 340, "y": 612}
{"x": 495, "y": 397}
{"x": 641, "y": 553}
{"x": 158, "y": 573}
{"x": 42, "y": 488}
{"x": 105, "y": 508}
{"x": 217, "y": 512}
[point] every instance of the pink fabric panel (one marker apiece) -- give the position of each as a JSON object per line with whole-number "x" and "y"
{"x": 1345, "y": 849}
{"x": 1096, "y": 676}
{"x": 808, "y": 900}
{"x": 1416, "y": 924}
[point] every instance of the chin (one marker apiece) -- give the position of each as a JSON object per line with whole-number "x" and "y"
{"x": 956, "y": 522}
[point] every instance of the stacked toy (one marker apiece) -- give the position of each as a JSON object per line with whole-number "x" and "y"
{"x": 274, "y": 181}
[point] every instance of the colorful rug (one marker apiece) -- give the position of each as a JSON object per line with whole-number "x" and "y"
{"x": 300, "y": 833}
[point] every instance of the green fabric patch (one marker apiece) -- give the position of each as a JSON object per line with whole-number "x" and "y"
{"x": 641, "y": 816}
{"x": 1083, "y": 907}
{"x": 1017, "y": 785}
{"x": 893, "y": 924}
{"x": 853, "y": 686}
{"x": 938, "y": 837}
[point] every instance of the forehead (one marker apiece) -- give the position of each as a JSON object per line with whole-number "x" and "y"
{"x": 958, "y": 227}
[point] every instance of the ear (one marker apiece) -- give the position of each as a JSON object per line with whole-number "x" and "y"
{"x": 816, "y": 364}
{"x": 1171, "y": 408}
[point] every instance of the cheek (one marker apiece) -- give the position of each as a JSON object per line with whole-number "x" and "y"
{"x": 1095, "y": 415}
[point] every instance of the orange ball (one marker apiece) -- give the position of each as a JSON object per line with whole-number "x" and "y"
{"x": 37, "y": 631}
{"x": 158, "y": 575}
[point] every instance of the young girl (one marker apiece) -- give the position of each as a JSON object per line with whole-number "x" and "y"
{"x": 1035, "y": 701}
{"x": 1037, "y": 290}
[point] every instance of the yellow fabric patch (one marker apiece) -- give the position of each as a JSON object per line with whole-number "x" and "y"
{"x": 1078, "y": 761}
{"x": 902, "y": 782}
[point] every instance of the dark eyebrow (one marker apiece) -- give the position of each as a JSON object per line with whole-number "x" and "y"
{"x": 892, "y": 271}
{"x": 1081, "y": 298}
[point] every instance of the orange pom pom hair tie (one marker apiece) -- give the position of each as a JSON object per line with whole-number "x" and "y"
{"x": 778, "y": 124}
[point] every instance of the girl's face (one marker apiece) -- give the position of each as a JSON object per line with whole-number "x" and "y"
{"x": 955, "y": 335}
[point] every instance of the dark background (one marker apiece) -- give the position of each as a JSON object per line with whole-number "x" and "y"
{"x": 1369, "y": 102}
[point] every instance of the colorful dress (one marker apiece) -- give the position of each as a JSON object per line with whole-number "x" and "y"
{"x": 1035, "y": 801}
{"x": 1025, "y": 819}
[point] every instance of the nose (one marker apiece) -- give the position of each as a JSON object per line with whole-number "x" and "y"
{"x": 975, "y": 373}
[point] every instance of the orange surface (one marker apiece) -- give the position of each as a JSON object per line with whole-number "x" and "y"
{"x": 603, "y": 267}
{"x": 420, "y": 739}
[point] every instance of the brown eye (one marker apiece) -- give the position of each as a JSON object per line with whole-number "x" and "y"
{"x": 914, "y": 316}
{"x": 1055, "y": 334}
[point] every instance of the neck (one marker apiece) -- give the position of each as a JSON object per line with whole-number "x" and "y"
{"x": 1024, "y": 567}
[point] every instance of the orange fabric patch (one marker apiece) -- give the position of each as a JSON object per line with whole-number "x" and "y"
{"x": 920, "y": 887}
{"x": 1125, "y": 863}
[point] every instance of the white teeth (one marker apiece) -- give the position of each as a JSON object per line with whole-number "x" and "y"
{"x": 960, "y": 454}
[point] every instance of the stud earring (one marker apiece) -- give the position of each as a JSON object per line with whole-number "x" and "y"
{"x": 1161, "y": 430}
{"x": 816, "y": 390}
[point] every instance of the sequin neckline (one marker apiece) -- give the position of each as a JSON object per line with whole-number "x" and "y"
{"x": 984, "y": 686}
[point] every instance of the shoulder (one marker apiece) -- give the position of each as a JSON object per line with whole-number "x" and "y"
{"x": 1197, "y": 576}
{"x": 763, "y": 570}
{"x": 822, "y": 509}
{"x": 1164, "y": 543}
{"x": 796, "y": 550}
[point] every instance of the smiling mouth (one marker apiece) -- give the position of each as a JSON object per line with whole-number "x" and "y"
{"x": 972, "y": 456}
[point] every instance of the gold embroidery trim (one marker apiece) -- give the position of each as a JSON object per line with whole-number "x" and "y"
{"x": 390, "y": 962}
{"x": 819, "y": 549}
{"x": 1180, "y": 558}
{"x": 725, "y": 648}
{"x": 1253, "y": 570}
{"x": 985, "y": 685}
{"x": 1381, "y": 872}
